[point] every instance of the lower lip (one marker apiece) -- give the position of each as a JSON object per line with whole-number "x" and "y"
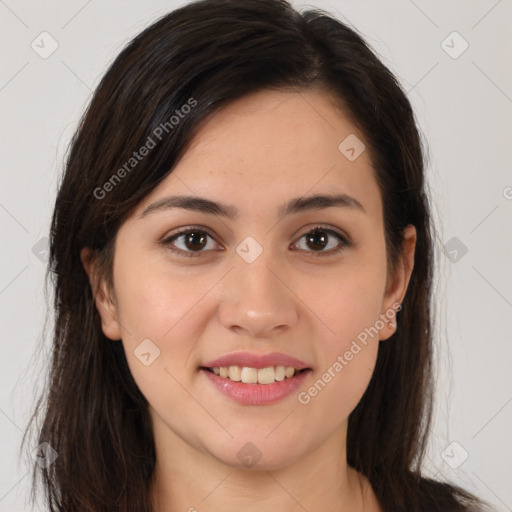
{"x": 256, "y": 394}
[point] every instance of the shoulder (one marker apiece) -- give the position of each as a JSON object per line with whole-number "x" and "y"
{"x": 414, "y": 493}
{"x": 435, "y": 496}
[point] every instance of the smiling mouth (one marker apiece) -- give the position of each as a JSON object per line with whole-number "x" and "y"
{"x": 247, "y": 375}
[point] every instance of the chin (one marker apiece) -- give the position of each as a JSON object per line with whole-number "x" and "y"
{"x": 258, "y": 454}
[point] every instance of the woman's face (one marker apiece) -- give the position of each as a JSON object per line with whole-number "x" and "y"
{"x": 258, "y": 282}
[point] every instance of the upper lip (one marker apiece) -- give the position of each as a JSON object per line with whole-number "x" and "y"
{"x": 251, "y": 360}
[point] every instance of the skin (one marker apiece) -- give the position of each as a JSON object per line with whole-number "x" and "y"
{"x": 256, "y": 154}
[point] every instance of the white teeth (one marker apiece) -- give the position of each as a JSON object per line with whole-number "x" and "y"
{"x": 235, "y": 373}
{"x": 280, "y": 373}
{"x": 266, "y": 375}
{"x": 248, "y": 375}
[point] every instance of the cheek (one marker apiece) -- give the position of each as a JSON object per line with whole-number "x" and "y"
{"x": 160, "y": 315}
{"x": 349, "y": 303}
{"x": 329, "y": 399}
{"x": 346, "y": 356}
{"x": 153, "y": 303}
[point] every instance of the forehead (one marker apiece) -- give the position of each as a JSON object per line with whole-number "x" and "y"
{"x": 264, "y": 148}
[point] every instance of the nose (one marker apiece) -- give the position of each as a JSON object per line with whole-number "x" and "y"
{"x": 257, "y": 299}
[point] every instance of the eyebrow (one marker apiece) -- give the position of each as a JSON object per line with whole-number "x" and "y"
{"x": 299, "y": 204}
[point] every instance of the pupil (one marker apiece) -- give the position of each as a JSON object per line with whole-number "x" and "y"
{"x": 318, "y": 239}
{"x": 195, "y": 239}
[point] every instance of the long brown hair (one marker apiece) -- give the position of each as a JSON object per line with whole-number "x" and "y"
{"x": 212, "y": 52}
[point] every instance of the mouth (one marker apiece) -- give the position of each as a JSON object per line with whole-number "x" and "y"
{"x": 250, "y": 378}
{"x": 255, "y": 386}
{"x": 248, "y": 375}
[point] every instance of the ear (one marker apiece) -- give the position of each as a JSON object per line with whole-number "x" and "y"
{"x": 100, "y": 291}
{"x": 398, "y": 283}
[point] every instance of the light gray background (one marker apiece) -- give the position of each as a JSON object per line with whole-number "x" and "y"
{"x": 464, "y": 109}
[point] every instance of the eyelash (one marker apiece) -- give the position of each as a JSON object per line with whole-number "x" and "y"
{"x": 167, "y": 242}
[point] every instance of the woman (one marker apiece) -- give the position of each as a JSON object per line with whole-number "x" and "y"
{"x": 242, "y": 255}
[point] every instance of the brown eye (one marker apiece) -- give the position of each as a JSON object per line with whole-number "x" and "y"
{"x": 320, "y": 238}
{"x": 190, "y": 241}
{"x": 195, "y": 240}
{"x": 317, "y": 239}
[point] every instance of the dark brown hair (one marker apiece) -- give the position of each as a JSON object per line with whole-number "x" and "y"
{"x": 212, "y": 52}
